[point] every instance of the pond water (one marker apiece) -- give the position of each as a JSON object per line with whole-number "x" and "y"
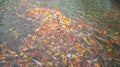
{"x": 101, "y": 16}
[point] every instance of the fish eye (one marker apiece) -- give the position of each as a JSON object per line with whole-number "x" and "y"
{"x": 58, "y": 29}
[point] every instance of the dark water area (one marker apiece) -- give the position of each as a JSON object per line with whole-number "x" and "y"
{"x": 93, "y": 23}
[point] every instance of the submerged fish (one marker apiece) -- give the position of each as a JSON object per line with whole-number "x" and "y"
{"x": 57, "y": 40}
{"x": 40, "y": 64}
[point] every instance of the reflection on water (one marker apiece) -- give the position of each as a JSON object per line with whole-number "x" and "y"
{"x": 102, "y": 24}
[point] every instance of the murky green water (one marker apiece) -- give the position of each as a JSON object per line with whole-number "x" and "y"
{"x": 103, "y": 14}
